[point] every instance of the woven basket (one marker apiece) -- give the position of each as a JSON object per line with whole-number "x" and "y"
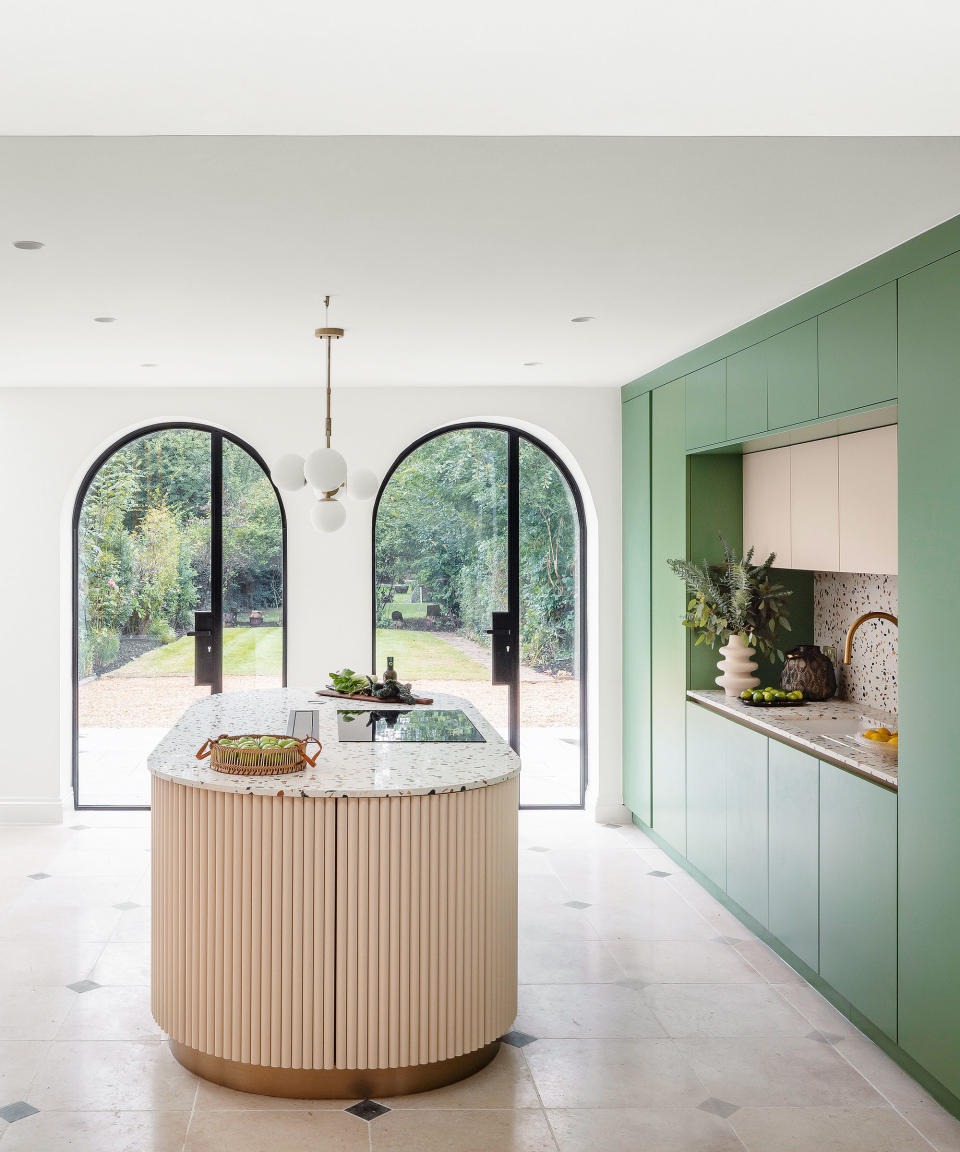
{"x": 258, "y": 761}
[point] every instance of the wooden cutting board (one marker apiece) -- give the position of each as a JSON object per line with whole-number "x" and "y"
{"x": 370, "y": 699}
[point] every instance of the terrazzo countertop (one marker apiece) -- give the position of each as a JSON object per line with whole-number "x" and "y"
{"x": 342, "y": 769}
{"x": 793, "y": 726}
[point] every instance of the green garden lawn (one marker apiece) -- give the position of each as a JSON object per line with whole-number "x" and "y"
{"x": 246, "y": 652}
{"x": 426, "y": 656}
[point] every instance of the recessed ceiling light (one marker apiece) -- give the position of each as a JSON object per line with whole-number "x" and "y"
{"x": 532, "y": 363}
{"x": 581, "y": 319}
{"x": 28, "y": 245}
{"x": 104, "y": 319}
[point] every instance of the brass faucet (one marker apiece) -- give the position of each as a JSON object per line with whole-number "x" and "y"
{"x": 848, "y": 647}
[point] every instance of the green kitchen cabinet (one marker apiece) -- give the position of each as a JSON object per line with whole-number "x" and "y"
{"x": 858, "y": 894}
{"x": 668, "y": 640}
{"x": 928, "y": 584}
{"x": 706, "y": 402}
{"x": 747, "y": 393}
{"x": 636, "y": 606}
{"x": 857, "y": 352}
{"x": 745, "y": 771}
{"x": 794, "y": 859}
{"x": 707, "y": 736}
{"x": 792, "y": 376}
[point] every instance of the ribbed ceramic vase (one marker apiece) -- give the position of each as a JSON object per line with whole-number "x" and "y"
{"x": 737, "y": 666}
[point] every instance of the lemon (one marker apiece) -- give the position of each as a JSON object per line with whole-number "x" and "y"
{"x": 872, "y": 734}
{"x": 893, "y": 739}
{"x": 883, "y": 733}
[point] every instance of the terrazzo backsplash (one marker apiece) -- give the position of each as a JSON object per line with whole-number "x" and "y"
{"x": 838, "y": 599}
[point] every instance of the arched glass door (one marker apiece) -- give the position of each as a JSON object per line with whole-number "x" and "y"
{"x": 479, "y": 529}
{"x": 179, "y": 544}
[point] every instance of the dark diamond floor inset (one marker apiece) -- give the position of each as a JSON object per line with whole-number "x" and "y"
{"x": 824, "y": 1037}
{"x": 126, "y": 906}
{"x": 576, "y": 904}
{"x": 79, "y": 827}
{"x": 717, "y": 1107}
{"x": 84, "y": 986}
{"x": 539, "y": 848}
{"x": 633, "y": 983}
{"x": 18, "y": 1110}
{"x": 39, "y": 876}
{"x": 612, "y": 825}
{"x": 518, "y": 1039}
{"x": 659, "y": 875}
{"x": 367, "y": 1110}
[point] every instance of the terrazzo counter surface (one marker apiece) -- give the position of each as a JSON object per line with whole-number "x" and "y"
{"x": 797, "y": 726}
{"x": 342, "y": 769}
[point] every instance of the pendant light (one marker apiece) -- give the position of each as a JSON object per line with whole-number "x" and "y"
{"x": 325, "y": 470}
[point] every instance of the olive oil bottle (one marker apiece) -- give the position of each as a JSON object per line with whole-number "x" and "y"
{"x": 391, "y": 672}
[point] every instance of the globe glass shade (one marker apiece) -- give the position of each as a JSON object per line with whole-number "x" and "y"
{"x": 328, "y": 515}
{"x": 325, "y": 469}
{"x": 362, "y": 483}
{"x": 287, "y": 473}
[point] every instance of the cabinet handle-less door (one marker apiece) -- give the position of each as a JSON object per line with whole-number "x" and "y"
{"x": 815, "y": 506}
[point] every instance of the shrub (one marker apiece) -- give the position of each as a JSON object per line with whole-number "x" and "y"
{"x": 104, "y": 646}
{"x": 160, "y": 630}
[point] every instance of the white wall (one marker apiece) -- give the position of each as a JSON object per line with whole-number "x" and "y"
{"x": 51, "y": 436}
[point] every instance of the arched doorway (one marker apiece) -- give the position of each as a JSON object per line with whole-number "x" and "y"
{"x": 179, "y": 590}
{"x": 480, "y": 527}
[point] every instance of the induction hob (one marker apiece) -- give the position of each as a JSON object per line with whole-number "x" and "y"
{"x": 407, "y": 726}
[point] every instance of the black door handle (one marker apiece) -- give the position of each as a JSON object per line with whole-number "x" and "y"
{"x": 501, "y": 664}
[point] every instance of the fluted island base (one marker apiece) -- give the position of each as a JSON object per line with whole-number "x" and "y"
{"x": 334, "y": 946}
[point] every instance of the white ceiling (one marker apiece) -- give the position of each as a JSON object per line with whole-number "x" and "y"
{"x": 503, "y": 67}
{"x": 451, "y": 260}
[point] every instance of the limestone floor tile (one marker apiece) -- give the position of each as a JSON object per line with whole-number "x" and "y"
{"x": 826, "y": 1130}
{"x": 110, "y": 1013}
{"x": 939, "y": 1127}
{"x": 660, "y": 919}
{"x": 649, "y": 1129}
{"x": 133, "y": 927}
{"x": 771, "y": 967}
{"x": 55, "y": 923}
{"x": 19, "y": 1063}
{"x": 64, "y": 890}
{"x": 884, "y": 1074}
{"x": 819, "y": 1011}
{"x": 33, "y": 1013}
{"x": 146, "y": 1131}
{"x": 296, "y": 1130}
{"x": 723, "y": 1010}
{"x": 101, "y": 862}
{"x": 682, "y": 962}
{"x": 764, "y": 1071}
{"x": 612, "y": 1074}
{"x": 573, "y": 962}
{"x": 504, "y": 1083}
{"x": 540, "y": 892}
{"x": 554, "y": 923}
{"x": 57, "y": 962}
{"x": 462, "y": 1130}
{"x": 582, "y": 1010}
{"x": 101, "y": 1075}
{"x": 123, "y": 963}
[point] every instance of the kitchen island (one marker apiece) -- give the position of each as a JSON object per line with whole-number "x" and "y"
{"x": 345, "y": 931}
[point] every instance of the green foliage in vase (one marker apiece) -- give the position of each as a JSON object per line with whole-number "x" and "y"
{"x": 735, "y": 598}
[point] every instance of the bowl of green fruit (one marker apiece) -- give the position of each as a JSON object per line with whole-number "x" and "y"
{"x": 260, "y": 755}
{"x": 771, "y": 698}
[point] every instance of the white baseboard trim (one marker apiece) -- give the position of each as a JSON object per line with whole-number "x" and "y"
{"x": 31, "y": 812}
{"x": 612, "y": 814}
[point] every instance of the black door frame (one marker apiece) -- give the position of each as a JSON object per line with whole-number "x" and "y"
{"x": 217, "y": 437}
{"x": 514, "y": 436}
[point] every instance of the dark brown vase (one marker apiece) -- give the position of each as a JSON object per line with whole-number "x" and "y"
{"x": 807, "y": 670}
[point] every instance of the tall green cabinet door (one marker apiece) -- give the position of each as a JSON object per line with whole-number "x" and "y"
{"x": 668, "y": 529}
{"x": 858, "y": 894}
{"x": 929, "y": 579}
{"x": 792, "y": 376}
{"x": 858, "y": 352}
{"x": 636, "y": 606}
{"x": 706, "y": 793}
{"x": 706, "y": 403}
{"x": 747, "y": 392}
{"x": 795, "y": 851}
{"x": 745, "y": 763}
